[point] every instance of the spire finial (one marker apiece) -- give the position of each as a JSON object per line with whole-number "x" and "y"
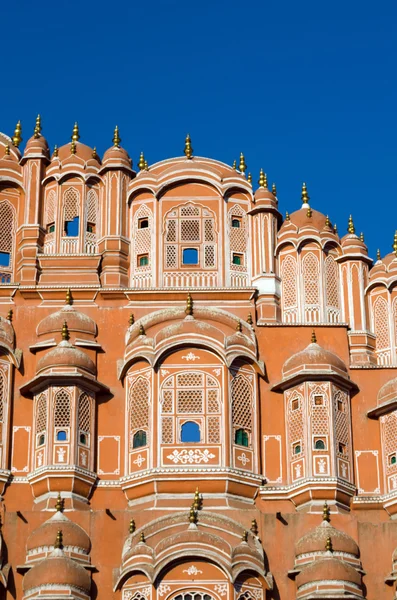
{"x": 59, "y": 503}
{"x": 287, "y": 217}
{"x": 131, "y": 319}
{"x": 73, "y": 148}
{"x": 239, "y": 327}
{"x": 234, "y": 165}
{"x": 309, "y": 212}
{"x": 262, "y": 179}
{"x": 7, "y": 150}
{"x": 189, "y": 305}
{"x": 192, "y": 515}
{"x": 274, "y": 190}
{"x": 10, "y": 315}
{"x": 65, "y": 332}
{"x": 146, "y": 165}
{"x": 197, "y": 500}
{"x": 17, "y": 138}
{"x": 314, "y": 338}
{"x": 335, "y": 229}
{"x": 141, "y": 163}
{"x": 326, "y": 512}
{"x": 188, "y": 151}
{"x": 249, "y": 319}
{"x": 249, "y": 178}
{"x": 94, "y": 153}
{"x": 328, "y": 545}
{"x": 116, "y": 137}
{"x": 75, "y": 133}
{"x": 350, "y": 227}
{"x": 68, "y": 299}
{"x": 131, "y": 527}
{"x": 327, "y": 221}
{"x": 244, "y": 537}
{"x": 362, "y": 236}
{"x": 242, "y": 166}
{"x": 305, "y": 196}
{"x": 254, "y": 527}
{"x": 59, "y": 540}
{"x": 378, "y": 254}
{"x": 142, "y": 538}
{"x": 37, "y": 128}
{"x": 55, "y": 153}
{"x": 395, "y": 243}
{"x": 141, "y": 330}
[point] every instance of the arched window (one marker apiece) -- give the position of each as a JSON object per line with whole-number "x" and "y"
{"x": 84, "y": 419}
{"x": 139, "y": 396}
{"x": 62, "y": 409}
{"x": 319, "y": 445}
{"x": 382, "y": 330}
{"x": 241, "y": 438}
{"x": 289, "y": 289}
{"x": 62, "y": 435}
{"x": 242, "y": 399}
{"x": 49, "y": 212}
{"x": 190, "y": 432}
{"x": 91, "y": 222}
{"x": 139, "y": 439}
{"x": 71, "y": 207}
{"x": 311, "y": 287}
{"x": 7, "y": 226}
{"x": 331, "y": 289}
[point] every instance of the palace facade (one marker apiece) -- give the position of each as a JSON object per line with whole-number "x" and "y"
{"x": 198, "y": 396}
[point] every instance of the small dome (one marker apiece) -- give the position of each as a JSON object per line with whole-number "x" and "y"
{"x": 83, "y": 152}
{"x": 77, "y": 322}
{"x": 67, "y": 356}
{"x": 326, "y": 569}
{"x": 352, "y": 243}
{"x": 7, "y": 335}
{"x": 73, "y": 535}
{"x": 388, "y": 391}
{"x": 300, "y": 219}
{"x": 37, "y": 145}
{"x": 315, "y": 541}
{"x": 116, "y": 156}
{"x": 263, "y": 194}
{"x": 313, "y": 358}
{"x": 57, "y": 569}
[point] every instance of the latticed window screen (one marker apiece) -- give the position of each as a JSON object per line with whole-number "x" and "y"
{"x": 50, "y": 204}
{"x": 295, "y": 423}
{"x": 3, "y": 393}
{"x": 311, "y": 288}
{"x": 242, "y": 400}
{"x": 389, "y": 440}
{"x": 71, "y": 204}
{"x": 7, "y": 226}
{"x": 381, "y": 323}
{"x": 342, "y": 423}
{"x": 62, "y": 409}
{"x": 92, "y": 207}
{"x": 139, "y": 401}
{"x": 84, "y": 413}
{"x": 190, "y": 394}
{"x": 289, "y": 283}
{"x": 331, "y": 286}
{"x": 319, "y": 410}
{"x": 41, "y": 414}
{"x": 142, "y": 238}
{"x": 185, "y": 225}
{"x": 238, "y": 237}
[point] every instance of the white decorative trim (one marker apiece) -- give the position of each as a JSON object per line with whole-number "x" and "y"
{"x": 191, "y": 356}
{"x": 192, "y": 570}
{"x": 196, "y": 456}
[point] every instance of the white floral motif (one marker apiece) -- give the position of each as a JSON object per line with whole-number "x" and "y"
{"x": 192, "y": 570}
{"x": 163, "y": 589}
{"x": 221, "y": 588}
{"x": 61, "y": 454}
{"x": 84, "y": 458}
{"x": 217, "y": 371}
{"x": 164, "y": 372}
{"x": 139, "y": 460}
{"x": 40, "y": 459}
{"x": 321, "y": 465}
{"x": 343, "y": 467}
{"x": 191, "y": 456}
{"x": 243, "y": 458}
{"x": 191, "y": 356}
{"x": 298, "y": 471}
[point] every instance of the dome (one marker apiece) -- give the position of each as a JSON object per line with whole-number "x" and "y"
{"x": 82, "y": 151}
{"x": 352, "y": 243}
{"x": 77, "y": 322}
{"x": 313, "y": 358}
{"x": 300, "y": 219}
{"x": 57, "y": 569}
{"x": 45, "y": 534}
{"x": 264, "y": 195}
{"x": 326, "y": 569}
{"x": 315, "y": 541}
{"x": 37, "y": 145}
{"x": 388, "y": 391}
{"x": 384, "y": 267}
{"x": 66, "y": 355}
{"x": 116, "y": 155}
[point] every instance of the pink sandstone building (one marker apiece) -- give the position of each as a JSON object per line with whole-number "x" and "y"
{"x": 198, "y": 396}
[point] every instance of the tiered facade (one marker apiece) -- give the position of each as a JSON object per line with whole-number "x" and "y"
{"x": 198, "y": 397}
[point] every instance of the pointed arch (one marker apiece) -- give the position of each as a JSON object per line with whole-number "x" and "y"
{"x": 311, "y": 287}
{"x": 382, "y": 330}
{"x": 7, "y": 237}
{"x": 289, "y": 288}
{"x": 332, "y": 301}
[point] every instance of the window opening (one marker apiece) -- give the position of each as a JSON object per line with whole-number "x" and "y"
{"x": 241, "y": 438}
{"x": 62, "y": 436}
{"x": 41, "y": 439}
{"x": 5, "y": 259}
{"x": 83, "y": 439}
{"x": 318, "y": 400}
{"x": 297, "y": 448}
{"x": 51, "y": 228}
{"x": 190, "y": 256}
{"x": 190, "y": 432}
{"x": 143, "y": 223}
{"x": 295, "y": 404}
{"x": 237, "y": 259}
{"x": 72, "y": 227}
{"x": 139, "y": 439}
{"x": 236, "y": 222}
{"x": 319, "y": 445}
{"x": 342, "y": 448}
{"x": 143, "y": 260}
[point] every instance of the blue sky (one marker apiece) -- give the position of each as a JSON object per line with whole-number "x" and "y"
{"x": 307, "y": 90}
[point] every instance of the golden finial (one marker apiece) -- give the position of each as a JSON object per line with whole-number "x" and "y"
{"x": 116, "y": 137}
{"x": 141, "y": 163}
{"x": 305, "y": 196}
{"x": 254, "y": 527}
{"x": 131, "y": 527}
{"x": 314, "y": 339}
{"x": 68, "y": 299}
{"x": 197, "y": 500}
{"x": 309, "y": 212}
{"x": 362, "y": 236}
{"x": 234, "y": 165}
{"x": 328, "y": 545}
{"x": 75, "y": 133}
{"x": 65, "y": 331}
{"x": 335, "y": 229}
{"x": 55, "y": 153}
{"x": 189, "y": 305}
{"x": 7, "y": 150}
{"x": 249, "y": 319}
{"x": 37, "y": 129}
{"x": 131, "y": 319}
{"x": 378, "y": 254}
{"x": 146, "y": 165}
{"x": 327, "y": 221}
{"x": 141, "y": 330}
{"x": 10, "y": 315}
{"x": 249, "y": 178}
{"x": 142, "y": 538}
{"x": 350, "y": 227}
{"x": 59, "y": 503}
{"x": 244, "y": 537}
{"x": 239, "y": 327}
{"x": 94, "y": 153}
{"x": 17, "y": 138}
{"x": 59, "y": 540}
{"x": 73, "y": 148}
{"x": 395, "y": 243}
{"x": 192, "y": 515}
{"x": 242, "y": 167}
{"x": 262, "y": 179}
{"x": 274, "y": 190}
{"x": 287, "y": 217}
{"x": 326, "y": 512}
{"x": 188, "y": 151}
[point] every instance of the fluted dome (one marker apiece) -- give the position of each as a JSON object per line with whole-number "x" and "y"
{"x": 73, "y": 535}
{"x": 300, "y": 219}
{"x": 77, "y": 322}
{"x": 83, "y": 152}
{"x": 313, "y": 358}
{"x": 57, "y": 569}
{"x": 388, "y": 391}
{"x": 384, "y": 268}
{"x": 352, "y": 243}
{"x": 67, "y": 356}
{"x": 315, "y": 541}
{"x": 37, "y": 145}
{"x": 326, "y": 569}
{"x": 116, "y": 156}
